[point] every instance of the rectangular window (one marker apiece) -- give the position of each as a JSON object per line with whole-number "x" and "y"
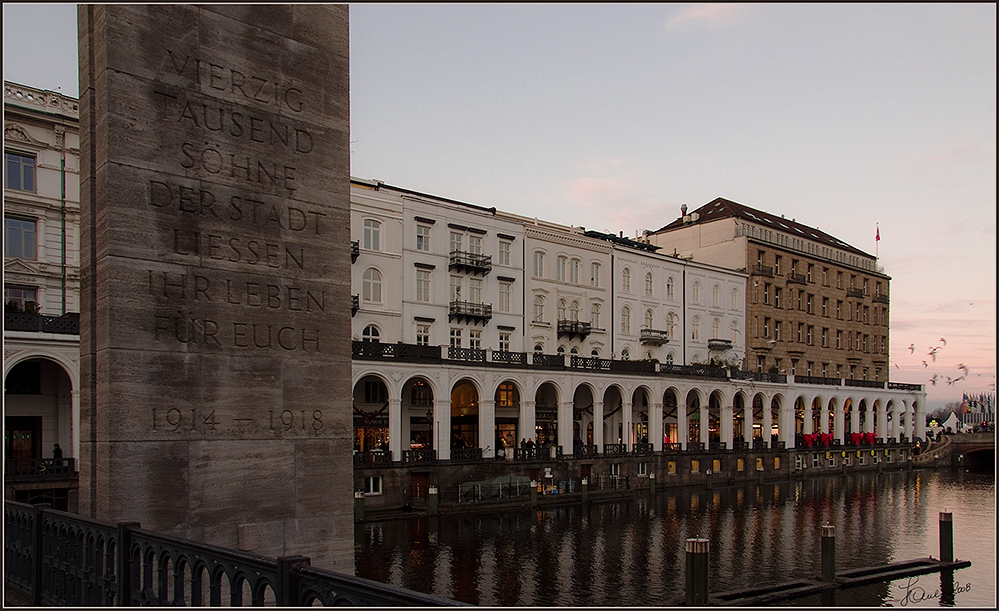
{"x": 839, "y": 340}
{"x": 595, "y": 274}
{"x": 777, "y": 292}
{"x": 808, "y": 338}
{"x": 777, "y": 264}
{"x": 671, "y": 467}
{"x": 809, "y": 274}
{"x": 373, "y": 484}
{"x": 422, "y": 334}
{"x": 504, "y": 252}
{"x": 423, "y": 238}
{"x": 643, "y": 468}
{"x": 560, "y": 269}
{"x": 808, "y": 307}
{"x": 825, "y": 306}
{"x": 615, "y": 470}
{"x": 825, "y": 337}
{"x": 695, "y": 466}
{"x": 798, "y": 462}
{"x": 716, "y": 465}
{"x": 539, "y": 265}
{"x": 23, "y": 299}
{"x": 20, "y": 238}
{"x": 455, "y": 242}
{"x": 766, "y": 294}
{"x": 777, "y": 325}
{"x": 372, "y": 235}
{"x": 825, "y": 276}
{"x": 19, "y": 171}
{"x": 504, "y": 341}
{"x": 801, "y": 332}
{"x": 375, "y": 392}
{"x": 423, "y": 285}
{"x": 475, "y": 290}
{"x": 504, "y": 296}
{"x": 766, "y": 328}
{"x": 475, "y": 245}
{"x": 574, "y": 271}
{"x": 455, "y": 338}
{"x": 740, "y": 464}
{"x": 455, "y": 288}
{"x": 475, "y": 339}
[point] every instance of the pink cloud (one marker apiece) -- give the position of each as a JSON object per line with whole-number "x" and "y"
{"x": 705, "y": 14}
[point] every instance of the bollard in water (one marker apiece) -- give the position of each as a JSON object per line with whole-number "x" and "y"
{"x": 358, "y": 506}
{"x": 534, "y": 493}
{"x": 946, "y": 537}
{"x": 697, "y": 572}
{"x": 585, "y": 487}
{"x": 828, "y": 553}
{"x": 652, "y": 483}
{"x": 432, "y": 500}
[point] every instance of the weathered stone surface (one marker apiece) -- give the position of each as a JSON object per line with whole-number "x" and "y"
{"x": 215, "y": 325}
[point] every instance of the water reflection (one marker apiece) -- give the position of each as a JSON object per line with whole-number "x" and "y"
{"x": 632, "y": 552}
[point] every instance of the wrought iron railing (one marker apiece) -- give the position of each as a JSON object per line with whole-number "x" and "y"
{"x": 62, "y": 559}
{"x": 589, "y": 362}
{"x": 759, "y": 376}
{"x": 477, "y": 355}
{"x": 816, "y": 380}
{"x": 613, "y": 449}
{"x": 39, "y": 468}
{"x": 693, "y": 370}
{"x": 467, "y": 310}
{"x": 573, "y": 328}
{"x": 880, "y": 299}
{"x": 654, "y": 336}
{"x": 901, "y": 386}
{"x": 510, "y": 358}
{"x": 642, "y": 448}
{"x": 418, "y": 456}
{"x": 466, "y": 454}
{"x": 855, "y": 292}
{"x": 793, "y": 278}
{"x": 762, "y": 270}
{"x": 864, "y": 383}
{"x": 547, "y": 360}
{"x": 481, "y": 264}
{"x": 373, "y": 459}
{"x": 67, "y": 324}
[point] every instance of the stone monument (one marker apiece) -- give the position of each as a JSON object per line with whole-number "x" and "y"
{"x": 215, "y": 308}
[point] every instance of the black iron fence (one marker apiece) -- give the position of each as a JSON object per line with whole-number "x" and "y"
{"x": 62, "y": 559}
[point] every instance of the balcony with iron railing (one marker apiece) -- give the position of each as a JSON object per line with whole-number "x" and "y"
{"x": 571, "y": 328}
{"x": 67, "y": 324}
{"x": 854, "y": 292}
{"x": 719, "y": 344}
{"x": 762, "y": 270}
{"x": 793, "y": 278}
{"x": 880, "y": 299}
{"x": 471, "y": 262}
{"x": 654, "y": 337}
{"x": 355, "y": 304}
{"x": 467, "y": 311}
{"x": 355, "y": 251}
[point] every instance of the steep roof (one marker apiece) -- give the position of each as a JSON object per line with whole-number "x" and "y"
{"x": 722, "y": 208}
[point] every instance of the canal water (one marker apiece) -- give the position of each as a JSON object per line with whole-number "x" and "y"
{"x": 631, "y": 552}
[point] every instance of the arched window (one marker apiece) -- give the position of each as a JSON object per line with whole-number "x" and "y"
{"x": 648, "y": 319}
{"x": 626, "y": 320}
{"x": 370, "y": 334}
{"x": 648, "y": 355}
{"x": 372, "y": 234}
{"x": 670, "y": 325}
{"x": 539, "y": 348}
{"x": 561, "y": 350}
{"x": 560, "y": 309}
{"x": 715, "y": 324}
{"x": 648, "y": 283}
{"x": 735, "y": 299}
{"x": 695, "y": 328}
{"x": 595, "y": 352}
{"x": 669, "y": 358}
{"x": 696, "y": 292}
{"x": 574, "y": 271}
{"x": 574, "y": 350}
{"x": 539, "y": 264}
{"x": 539, "y": 308}
{"x": 669, "y": 288}
{"x": 625, "y": 355}
{"x": 560, "y": 269}
{"x": 595, "y": 315}
{"x": 372, "y": 285}
{"x": 716, "y": 295}
{"x": 574, "y": 311}
{"x": 626, "y": 280}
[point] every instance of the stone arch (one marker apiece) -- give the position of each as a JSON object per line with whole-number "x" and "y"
{"x": 693, "y": 401}
{"x": 417, "y": 413}
{"x": 741, "y": 417}
{"x": 506, "y": 414}
{"x": 42, "y": 386}
{"x": 671, "y": 401}
{"x": 546, "y": 401}
{"x": 370, "y": 402}
{"x": 583, "y": 413}
{"x": 641, "y": 410}
{"x": 613, "y": 399}
{"x": 817, "y": 424}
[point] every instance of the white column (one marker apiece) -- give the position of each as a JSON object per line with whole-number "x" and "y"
{"x": 487, "y": 428}
{"x": 882, "y": 428}
{"x": 919, "y": 420}
{"x": 725, "y": 429}
{"x": 598, "y": 425}
{"x": 656, "y": 426}
{"x": 705, "y": 420}
{"x": 824, "y": 417}
{"x": 626, "y": 424}
{"x": 527, "y": 422}
{"x": 75, "y": 432}
{"x": 839, "y": 429}
{"x": 855, "y": 418}
{"x": 747, "y": 423}
{"x": 395, "y": 429}
{"x": 766, "y": 428}
{"x": 682, "y": 428}
{"x": 808, "y": 415}
{"x": 787, "y": 424}
{"x": 565, "y": 426}
{"x": 442, "y": 428}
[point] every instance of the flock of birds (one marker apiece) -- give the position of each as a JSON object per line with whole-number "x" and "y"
{"x": 933, "y": 351}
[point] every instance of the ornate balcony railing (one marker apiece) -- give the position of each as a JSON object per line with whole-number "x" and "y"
{"x": 510, "y": 358}
{"x": 365, "y": 459}
{"x": 816, "y": 380}
{"x": 614, "y": 449}
{"x": 852, "y": 292}
{"x": 355, "y": 251}
{"x": 793, "y": 278}
{"x": 589, "y": 362}
{"x": 719, "y": 344}
{"x": 654, "y": 337}
{"x": 39, "y": 468}
{"x": 864, "y": 383}
{"x": 410, "y": 457}
{"x": 60, "y": 559}
{"x": 463, "y": 311}
{"x": 466, "y": 455}
{"x": 466, "y": 354}
{"x": 67, "y": 324}
{"x": 902, "y": 386}
{"x": 762, "y": 270}
{"x": 759, "y": 376}
{"x": 547, "y": 360}
{"x": 634, "y": 366}
{"x": 475, "y": 263}
{"x": 570, "y": 328}
{"x": 642, "y": 448}
{"x": 702, "y": 371}
{"x": 880, "y": 299}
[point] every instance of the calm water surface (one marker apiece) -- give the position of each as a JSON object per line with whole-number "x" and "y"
{"x": 631, "y": 553}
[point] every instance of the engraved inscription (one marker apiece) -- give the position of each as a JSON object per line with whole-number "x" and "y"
{"x": 207, "y": 420}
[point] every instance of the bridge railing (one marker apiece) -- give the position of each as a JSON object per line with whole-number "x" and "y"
{"x": 62, "y": 559}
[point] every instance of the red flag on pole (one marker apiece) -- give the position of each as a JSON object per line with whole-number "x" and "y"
{"x": 877, "y": 233}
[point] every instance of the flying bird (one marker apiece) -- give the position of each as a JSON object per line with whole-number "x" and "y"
{"x": 933, "y": 380}
{"x": 933, "y": 353}
{"x": 943, "y": 341}
{"x": 912, "y": 348}
{"x": 925, "y": 364}
{"x": 963, "y": 368}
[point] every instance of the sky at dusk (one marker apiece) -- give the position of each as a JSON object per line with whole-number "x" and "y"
{"x": 845, "y": 117}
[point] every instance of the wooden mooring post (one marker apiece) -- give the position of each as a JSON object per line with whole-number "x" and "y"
{"x": 697, "y": 572}
{"x": 829, "y": 581}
